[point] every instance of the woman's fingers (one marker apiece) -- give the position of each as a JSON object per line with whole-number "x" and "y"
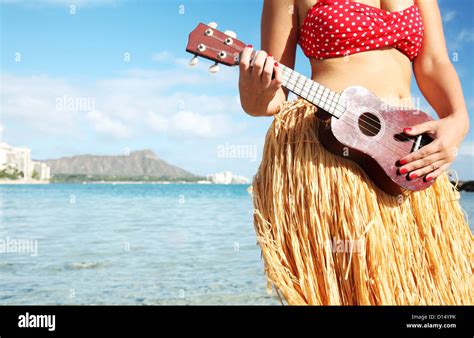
{"x": 437, "y": 172}
{"x": 268, "y": 71}
{"x": 426, "y": 127}
{"x": 426, "y": 170}
{"x": 421, "y": 162}
{"x": 277, "y": 80}
{"x": 258, "y": 64}
{"x": 245, "y": 59}
{"x": 427, "y": 150}
{"x": 259, "y": 79}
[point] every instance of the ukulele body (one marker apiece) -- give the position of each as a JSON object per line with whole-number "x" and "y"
{"x": 370, "y": 133}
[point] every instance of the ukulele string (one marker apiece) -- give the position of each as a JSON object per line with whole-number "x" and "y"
{"x": 394, "y": 151}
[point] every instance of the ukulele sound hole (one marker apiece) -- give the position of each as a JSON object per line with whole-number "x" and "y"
{"x": 369, "y": 124}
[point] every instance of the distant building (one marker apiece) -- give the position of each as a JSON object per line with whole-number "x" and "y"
{"x": 19, "y": 158}
{"x": 227, "y": 177}
{"x": 42, "y": 170}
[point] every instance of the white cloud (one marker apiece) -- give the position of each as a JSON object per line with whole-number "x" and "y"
{"x": 33, "y": 100}
{"x": 162, "y": 56}
{"x": 105, "y": 125}
{"x": 193, "y": 115}
{"x": 186, "y": 123}
{"x": 449, "y": 16}
{"x": 170, "y": 101}
{"x": 466, "y": 35}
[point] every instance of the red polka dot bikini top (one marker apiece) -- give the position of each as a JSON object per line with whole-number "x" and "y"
{"x": 335, "y": 28}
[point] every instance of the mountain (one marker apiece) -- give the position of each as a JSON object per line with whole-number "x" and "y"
{"x": 138, "y": 165}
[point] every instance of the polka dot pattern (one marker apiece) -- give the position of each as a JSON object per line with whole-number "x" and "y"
{"x": 335, "y": 28}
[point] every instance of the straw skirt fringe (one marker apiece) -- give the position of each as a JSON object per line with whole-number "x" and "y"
{"x": 329, "y": 237}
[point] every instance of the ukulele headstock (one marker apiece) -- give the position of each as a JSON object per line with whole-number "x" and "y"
{"x": 221, "y": 47}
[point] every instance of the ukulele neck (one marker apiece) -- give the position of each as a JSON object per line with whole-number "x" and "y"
{"x": 311, "y": 91}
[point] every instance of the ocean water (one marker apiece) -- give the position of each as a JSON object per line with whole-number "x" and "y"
{"x": 132, "y": 244}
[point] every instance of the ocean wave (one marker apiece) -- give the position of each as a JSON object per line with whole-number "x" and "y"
{"x": 84, "y": 265}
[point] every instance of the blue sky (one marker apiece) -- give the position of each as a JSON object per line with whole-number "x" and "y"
{"x": 111, "y": 76}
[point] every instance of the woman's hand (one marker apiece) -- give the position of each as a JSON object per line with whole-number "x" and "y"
{"x": 256, "y": 86}
{"x": 433, "y": 159}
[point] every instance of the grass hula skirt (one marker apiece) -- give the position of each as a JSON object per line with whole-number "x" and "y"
{"x": 330, "y": 237}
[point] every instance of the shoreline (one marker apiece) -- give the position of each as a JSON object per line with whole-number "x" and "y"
{"x": 465, "y": 186}
{"x": 32, "y": 182}
{"x": 25, "y": 182}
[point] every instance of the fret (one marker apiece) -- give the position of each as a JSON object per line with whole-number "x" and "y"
{"x": 319, "y": 92}
{"x": 325, "y": 95}
{"x": 335, "y": 99}
{"x": 296, "y": 77}
{"x": 312, "y": 91}
{"x": 331, "y": 100}
{"x": 326, "y": 99}
{"x": 292, "y": 78}
{"x": 290, "y": 85}
{"x": 314, "y": 99}
{"x": 306, "y": 87}
{"x": 285, "y": 75}
{"x": 339, "y": 110}
{"x": 298, "y": 81}
{"x": 309, "y": 86}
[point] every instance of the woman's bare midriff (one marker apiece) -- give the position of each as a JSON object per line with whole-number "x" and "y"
{"x": 386, "y": 72}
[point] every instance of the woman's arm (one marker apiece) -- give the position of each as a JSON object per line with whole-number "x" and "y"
{"x": 434, "y": 72}
{"x": 440, "y": 85}
{"x": 279, "y": 32}
{"x": 259, "y": 94}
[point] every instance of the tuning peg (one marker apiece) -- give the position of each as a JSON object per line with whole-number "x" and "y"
{"x": 193, "y": 61}
{"x": 214, "y": 68}
{"x": 231, "y": 34}
{"x": 212, "y": 25}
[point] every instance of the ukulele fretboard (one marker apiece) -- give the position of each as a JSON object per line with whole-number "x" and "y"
{"x": 312, "y": 91}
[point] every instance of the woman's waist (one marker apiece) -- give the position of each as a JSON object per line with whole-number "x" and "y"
{"x": 387, "y": 78}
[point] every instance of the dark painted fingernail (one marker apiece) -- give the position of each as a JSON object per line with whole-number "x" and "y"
{"x": 406, "y": 130}
{"x": 403, "y": 171}
{"x": 276, "y": 64}
{"x": 403, "y": 162}
{"x": 270, "y": 55}
{"x": 413, "y": 176}
{"x": 249, "y": 46}
{"x": 428, "y": 178}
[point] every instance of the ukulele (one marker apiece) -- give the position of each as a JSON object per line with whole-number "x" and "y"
{"x": 358, "y": 125}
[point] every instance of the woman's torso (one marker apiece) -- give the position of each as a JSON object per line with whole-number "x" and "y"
{"x": 386, "y": 72}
